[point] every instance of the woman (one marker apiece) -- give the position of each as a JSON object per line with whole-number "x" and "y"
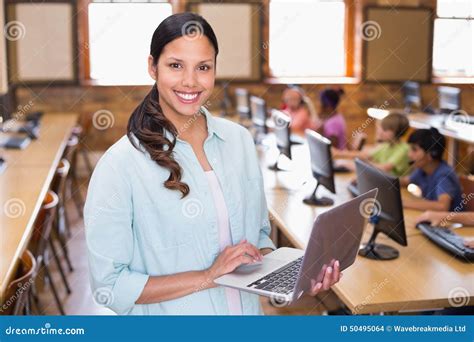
{"x": 179, "y": 201}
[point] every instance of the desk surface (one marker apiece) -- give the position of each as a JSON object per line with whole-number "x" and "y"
{"x": 423, "y": 277}
{"x": 23, "y": 186}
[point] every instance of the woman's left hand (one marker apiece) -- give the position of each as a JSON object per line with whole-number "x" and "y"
{"x": 330, "y": 275}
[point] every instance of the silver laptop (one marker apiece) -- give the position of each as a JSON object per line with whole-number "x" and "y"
{"x": 286, "y": 273}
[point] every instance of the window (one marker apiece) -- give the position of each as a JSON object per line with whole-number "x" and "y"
{"x": 119, "y": 40}
{"x": 318, "y": 49}
{"x": 453, "y": 47}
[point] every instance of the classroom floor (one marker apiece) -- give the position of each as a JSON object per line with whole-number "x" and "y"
{"x": 81, "y": 302}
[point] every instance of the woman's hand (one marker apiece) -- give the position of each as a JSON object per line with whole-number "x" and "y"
{"x": 232, "y": 257}
{"x": 328, "y": 276}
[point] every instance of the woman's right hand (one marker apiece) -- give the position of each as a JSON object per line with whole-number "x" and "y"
{"x": 232, "y": 257}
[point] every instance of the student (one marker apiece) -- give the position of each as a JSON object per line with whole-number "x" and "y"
{"x": 179, "y": 201}
{"x": 332, "y": 124}
{"x": 300, "y": 108}
{"x": 443, "y": 218}
{"x": 440, "y": 187}
{"x": 391, "y": 155}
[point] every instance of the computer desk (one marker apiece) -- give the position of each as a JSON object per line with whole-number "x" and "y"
{"x": 23, "y": 186}
{"x": 423, "y": 120}
{"x": 423, "y": 277}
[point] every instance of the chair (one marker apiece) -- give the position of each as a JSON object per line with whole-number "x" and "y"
{"x": 18, "y": 291}
{"x": 61, "y": 222}
{"x": 71, "y": 155}
{"x": 41, "y": 243}
{"x": 467, "y": 185}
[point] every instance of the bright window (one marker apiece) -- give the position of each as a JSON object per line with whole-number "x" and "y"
{"x": 453, "y": 47}
{"x": 307, "y": 38}
{"x": 119, "y": 40}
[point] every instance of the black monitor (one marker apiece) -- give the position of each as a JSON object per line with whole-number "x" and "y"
{"x": 449, "y": 99}
{"x": 387, "y": 213}
{"x": 242, "y": 103}
{"x": 411, "y": 95}
{"x": 225, "y": 103}
{"x": 258, "y": 109}
{"x": 282, "y": 135}
{"x": 5, "y": 108}
{"x": 321, "y": 166}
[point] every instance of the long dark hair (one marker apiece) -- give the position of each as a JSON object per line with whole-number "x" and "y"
{"x": 147, "y": 122}
{"x": 331, "y": 97}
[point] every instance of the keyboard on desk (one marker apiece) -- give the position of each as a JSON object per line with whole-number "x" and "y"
{"x": 448, "y": 240}
{"x": 14, "y": 142}
{"x": 282, "y": 280}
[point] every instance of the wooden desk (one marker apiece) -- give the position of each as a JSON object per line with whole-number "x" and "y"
{"x": 23, "y": 186}
{"x": 423, "y": 277}
{"x": 285, "y": 191}
{"x": 423, "y": 120}
{"x": 46, "y": 150}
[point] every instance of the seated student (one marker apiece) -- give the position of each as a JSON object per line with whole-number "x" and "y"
{"x": 391, "y": 155}
{"x": 443, "y": 218}
{"x": 332, "y": 124}
{"x": 300, "y": 108}
{"x": 439, "y": 184}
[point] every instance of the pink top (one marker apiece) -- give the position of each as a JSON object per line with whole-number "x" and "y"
{"x": 225, "y": 239}
{"x": 336, "y": 126}
{"x": 300, "y": 120}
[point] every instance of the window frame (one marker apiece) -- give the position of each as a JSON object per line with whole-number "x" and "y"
{"x": 83, "y": 41}
{"x": 448, "y": 79}
{"x": 351, "y": 48}
{"x": 11, "y": 50}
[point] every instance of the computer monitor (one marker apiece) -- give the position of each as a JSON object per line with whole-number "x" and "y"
{"x": 282, "y": 135}
{"x": 387, "y": 213}
{"x": 5, "y": 108}
{"x": 225, "y": 103}
{"x": 321, "y": 166}
{"x": 449, "y": 99}
{"x": 243, "y": 103}
{"x": 258, "y": 109}
{"x": 411, "y": 95}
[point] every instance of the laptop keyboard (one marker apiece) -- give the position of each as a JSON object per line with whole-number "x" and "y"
{"x": 282, "y": 280}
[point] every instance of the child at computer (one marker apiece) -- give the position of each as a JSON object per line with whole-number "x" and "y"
{"x": 391, "y": 153}
{"x": 331, "y": 122}
{"x": 300, "y": 108}
{"x": 439, "y": 183}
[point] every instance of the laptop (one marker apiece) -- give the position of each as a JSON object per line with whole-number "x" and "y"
{"x": 286, "y": 273}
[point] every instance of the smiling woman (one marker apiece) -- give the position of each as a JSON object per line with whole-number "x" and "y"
{"x": 179, "y": 201}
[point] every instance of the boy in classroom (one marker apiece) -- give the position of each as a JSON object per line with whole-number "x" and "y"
{"x": 439, "y": 183}
{"x": 391, "y": 153}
